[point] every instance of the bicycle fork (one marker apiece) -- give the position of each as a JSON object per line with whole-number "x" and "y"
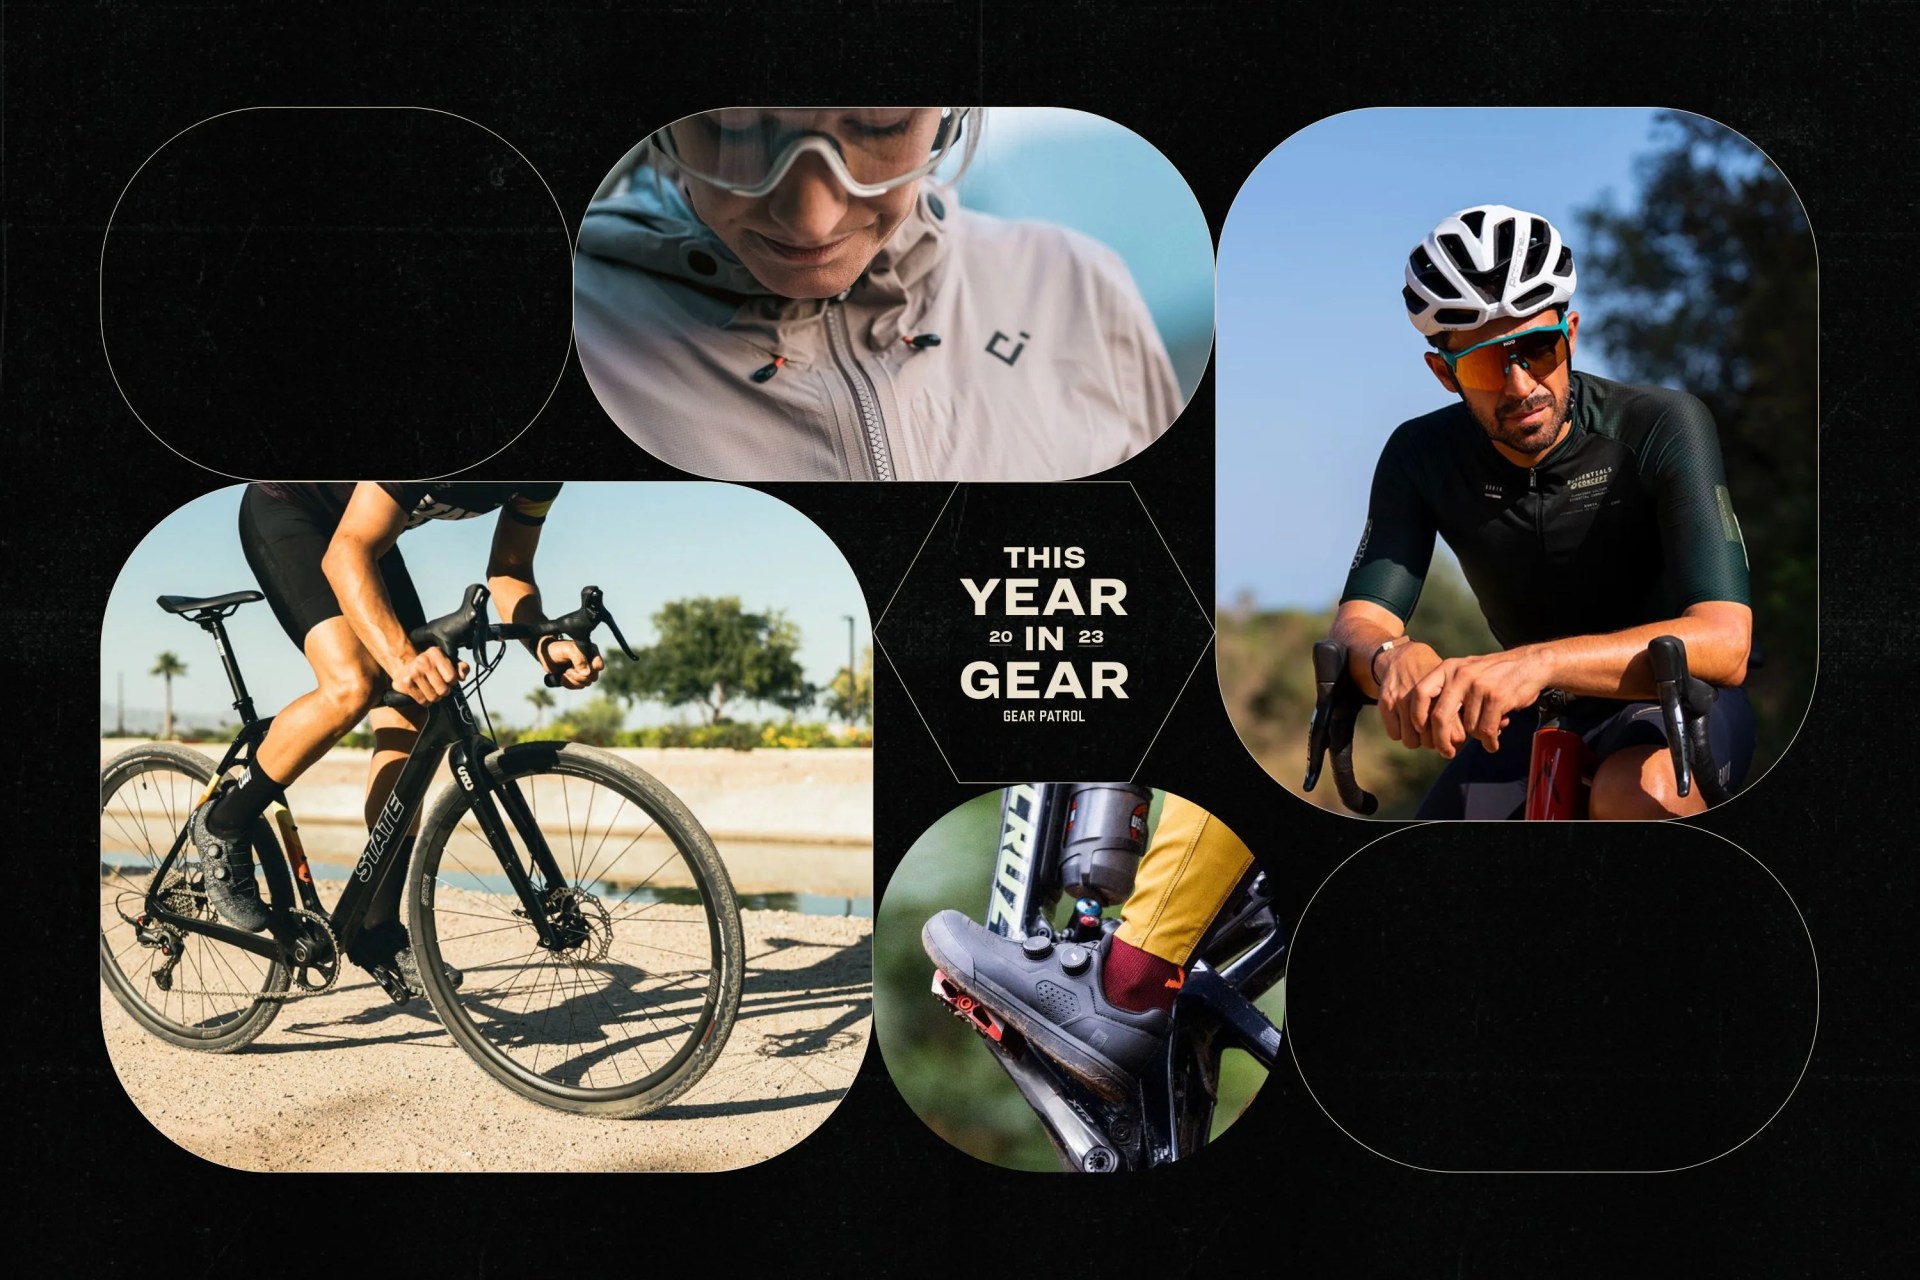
{"x": 553, "y": 912}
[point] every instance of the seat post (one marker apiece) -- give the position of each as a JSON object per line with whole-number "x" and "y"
{"x": 215, "y": 626}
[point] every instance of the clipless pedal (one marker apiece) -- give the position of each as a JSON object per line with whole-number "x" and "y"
{"x": 971, "y": 1011}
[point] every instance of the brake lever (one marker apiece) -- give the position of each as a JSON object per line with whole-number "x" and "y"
{"x": 615, "y": 628}
{"x": 1667, "y": 655}
{"x": 1335, "y": 709}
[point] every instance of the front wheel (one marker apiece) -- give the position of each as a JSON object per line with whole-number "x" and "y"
{"x": 630, "y": 999}
{"x": 187, "y": 988}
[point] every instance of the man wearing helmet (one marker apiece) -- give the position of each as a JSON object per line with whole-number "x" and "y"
{"x": 1589, "y": 516}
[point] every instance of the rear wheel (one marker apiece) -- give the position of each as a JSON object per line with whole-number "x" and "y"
{"x": 185, "y": 987}
{"x": 633, "y": 998}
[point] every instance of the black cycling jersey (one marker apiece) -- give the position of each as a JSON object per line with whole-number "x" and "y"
{"x": 285, "y": 530}
{"x": 1626, "y": 521}
{"x": 428, "y": 500}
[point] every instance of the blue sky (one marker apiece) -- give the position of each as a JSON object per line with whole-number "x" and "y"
{"x": 1316, "y": 362}
{"x": 643, "y": 544}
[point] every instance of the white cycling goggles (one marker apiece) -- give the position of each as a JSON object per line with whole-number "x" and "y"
{"x": 868, "y": 150}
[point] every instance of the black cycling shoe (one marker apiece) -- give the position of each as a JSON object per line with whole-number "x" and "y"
{"x": 1050, "y": 992}
{"x": 228, "y": 865}
{"x": 386, "y": 952}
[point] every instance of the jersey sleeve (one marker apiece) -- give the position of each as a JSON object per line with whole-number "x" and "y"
{"x": 529, "y": 504}
{"x": 1396, "y": 545}
{"x": 1704, "y": 553}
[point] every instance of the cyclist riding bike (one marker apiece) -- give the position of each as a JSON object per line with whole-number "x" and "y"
{"x": 328, "y": 561}
{"x": 1589, "y": 517}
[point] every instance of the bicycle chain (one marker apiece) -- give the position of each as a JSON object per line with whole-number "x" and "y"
{"x": 296, "y": 969}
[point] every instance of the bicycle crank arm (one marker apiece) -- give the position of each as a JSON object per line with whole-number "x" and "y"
{"x": 1080, "y": 1142}
{"x": 1082, "y": 1145}
{"x": 1250, "y": 1029}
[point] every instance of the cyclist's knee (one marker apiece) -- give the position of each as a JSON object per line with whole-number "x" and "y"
{"x": 1638, "y": 783}
{"x": 348, "y": 695}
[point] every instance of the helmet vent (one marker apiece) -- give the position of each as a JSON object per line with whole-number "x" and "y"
{"x": 1431, "y": 276}
{"x": 1457, "y": 250}
{"x": 1503, "y": 243}
{"x": 1565, "y": 265}
{"x": 1532, "y": 298}
{"x": 1456, "y": 317}
{"x": 1415, "y": 303}
{"x": 1536, "y": 250}
{"x": 1473, "y": 220}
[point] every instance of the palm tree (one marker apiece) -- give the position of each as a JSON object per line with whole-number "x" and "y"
{"x": 167, "y": 666}
{"x": 542, "y": 702}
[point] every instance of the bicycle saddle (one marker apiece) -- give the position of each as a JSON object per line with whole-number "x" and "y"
{"x": 193, "y": 604}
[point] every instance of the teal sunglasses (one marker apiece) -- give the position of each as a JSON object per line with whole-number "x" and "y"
{"x": 1483, "y": 366}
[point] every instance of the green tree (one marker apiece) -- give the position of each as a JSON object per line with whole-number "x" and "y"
{"x": 712, "y": 652}
{"x": 542, "y": 700}
{"x": 849, "y": 695}
{"x": 597, "y": 721}
{"x": 167, "y": 666}
{"x": 1708, "y": 283}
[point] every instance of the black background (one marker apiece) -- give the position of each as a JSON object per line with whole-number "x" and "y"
{"x": 1825, "y": 1190}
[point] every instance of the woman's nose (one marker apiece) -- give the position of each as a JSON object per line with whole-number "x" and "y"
{"x": 809, "y": 203}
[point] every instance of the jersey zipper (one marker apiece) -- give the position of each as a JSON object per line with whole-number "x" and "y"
{"x": 866, "y": 399}
{"x": 1539, "y": 505}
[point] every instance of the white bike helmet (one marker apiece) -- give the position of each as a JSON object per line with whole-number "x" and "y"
{"x": 1484, "y": 263}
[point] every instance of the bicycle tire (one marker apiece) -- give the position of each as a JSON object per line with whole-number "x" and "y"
{"x": 146, "y": 795}
{"x": 636, "y": 1011}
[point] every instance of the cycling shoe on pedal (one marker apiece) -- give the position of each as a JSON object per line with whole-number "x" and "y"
{"x": 386, "y": 952}
{"x": 228, "y": 865}
{"x": 1051, "y": 993}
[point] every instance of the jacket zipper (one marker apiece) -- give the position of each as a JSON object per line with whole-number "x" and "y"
{"x": 866, "y": 400}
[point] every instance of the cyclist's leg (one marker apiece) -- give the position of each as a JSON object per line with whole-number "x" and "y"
{"x": 1634, "y": 780}
{"x": 1190, "y": 868}
{"x": 284, "y": 545}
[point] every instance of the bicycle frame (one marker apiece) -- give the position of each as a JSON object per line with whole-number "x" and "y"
{"x": 449, "y": 730}
{"x": 1169, "y": 1114}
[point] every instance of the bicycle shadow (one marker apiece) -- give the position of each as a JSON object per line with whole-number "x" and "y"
{"x": 773, "y": 1065}
{"x": 790, "y": 1016}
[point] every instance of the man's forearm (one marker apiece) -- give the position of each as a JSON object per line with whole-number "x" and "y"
{"x": 1363, "y": 628}
{"x": 1718, "y": 636}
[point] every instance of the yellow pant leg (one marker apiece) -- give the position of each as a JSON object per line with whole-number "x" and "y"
{"x": 1189, "y": 870}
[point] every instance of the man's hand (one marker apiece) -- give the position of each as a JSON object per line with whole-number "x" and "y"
{"x": 575, "y": 665}
{"x": 1404, "y": 707}
{"x": 426, "y": 677}
{"x": 1472, "y": 697}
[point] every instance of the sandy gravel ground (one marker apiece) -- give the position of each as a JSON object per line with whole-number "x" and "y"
{"x": 348, "y": 1081}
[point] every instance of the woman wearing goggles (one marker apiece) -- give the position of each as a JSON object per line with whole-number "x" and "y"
{"x": 795, "y": 294}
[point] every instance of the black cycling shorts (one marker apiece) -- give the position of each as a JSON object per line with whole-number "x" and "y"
{"x": 1478, "y": 783}
{"x": 284, "y": 543}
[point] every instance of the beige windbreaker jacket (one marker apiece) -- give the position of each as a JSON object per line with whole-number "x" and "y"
{"x": 1048, "y": 365}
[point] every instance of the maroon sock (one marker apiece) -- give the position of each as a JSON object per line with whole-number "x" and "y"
{"x": 1137, "y": 980}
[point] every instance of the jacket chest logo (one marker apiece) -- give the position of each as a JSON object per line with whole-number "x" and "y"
{"x": 1005, "y": 349}
{"x": 1590, "y": 479}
